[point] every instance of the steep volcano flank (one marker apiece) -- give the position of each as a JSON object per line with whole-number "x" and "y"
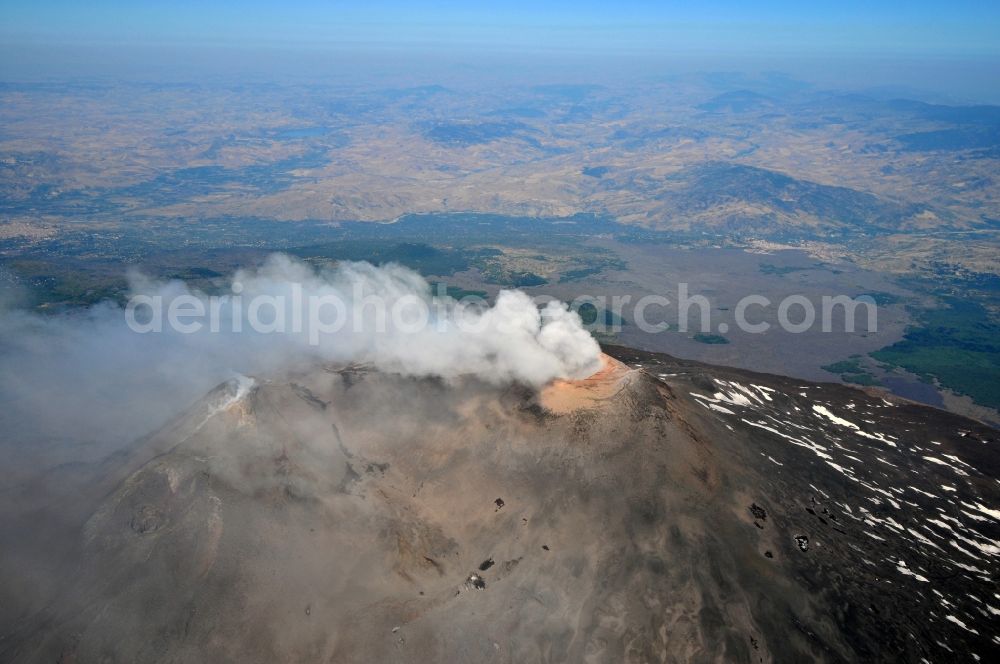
{"x": 659, "y": 511}
{"x": 895, "y": 504}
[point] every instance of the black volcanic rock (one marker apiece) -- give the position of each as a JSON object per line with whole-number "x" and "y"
{"x": 627, "y": 530}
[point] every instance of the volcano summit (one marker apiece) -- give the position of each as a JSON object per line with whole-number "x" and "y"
{"x": 661, "y": 510}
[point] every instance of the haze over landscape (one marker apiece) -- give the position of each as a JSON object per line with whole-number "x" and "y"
{"x": 509, "y": 332}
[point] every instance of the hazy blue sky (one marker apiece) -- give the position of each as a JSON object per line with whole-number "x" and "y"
{"x": 949, "y": 47}
{"x": 916, "y": 27}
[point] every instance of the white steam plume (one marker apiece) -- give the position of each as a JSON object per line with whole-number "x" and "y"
{"x": 387, "y": 316}
{"x": 90, "y": 375}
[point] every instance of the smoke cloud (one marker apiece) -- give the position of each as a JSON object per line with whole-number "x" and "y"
{"x": 90, "y": 377}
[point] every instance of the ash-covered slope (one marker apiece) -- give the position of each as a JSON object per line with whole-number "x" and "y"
{"x": 658, "y": 511}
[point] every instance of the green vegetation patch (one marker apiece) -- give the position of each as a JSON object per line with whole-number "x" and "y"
{"x": 495, "y": 271}
{"x": 958, "y": 344}
{"x": 458, "y": 293}
{"x": 852, "y": 370}
{"x": 860, "y": 379}
{"x": 496, "y": 274}
{"x": 590, "y": 314}
{"x": 712, "y": 339}
{"x": 852, "y": 365}
{"x": 68, "y": 284}
{"x": 415, "y": 255}
{"x": 596, "y": 266}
